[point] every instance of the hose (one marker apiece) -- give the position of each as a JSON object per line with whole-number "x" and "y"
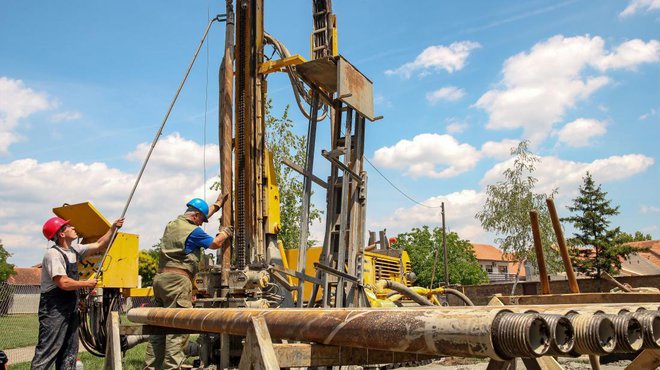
{"x": 417, "y": 298}
{"x": 459, "y": 294}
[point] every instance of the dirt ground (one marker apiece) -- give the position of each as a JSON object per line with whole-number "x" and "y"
{"x": 456, "y": 363}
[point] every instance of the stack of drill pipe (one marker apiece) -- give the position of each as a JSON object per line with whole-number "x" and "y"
{"x": 497, "y": 334}
{"x": 562, "y": 334}
{"x": 650, "y": 323}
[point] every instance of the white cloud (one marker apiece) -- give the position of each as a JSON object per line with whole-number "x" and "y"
{"x": 650, "y": 209}
{"x": 66, "y": 116}
{"x": 499, "y": 149}
{"x": 553, "y": 172}
{"x": 450, "y": 58}
{"x": 460, "y": 208}
{"x": 17, "y": 102}
{"x": 579, "y": 132}
{"x": 539, "y": 86}
{"x": 31, "y": 189}
{"x": 449, "y": 93}
{"x": 422, "y": 156}
{"x": 638, "y": 5}
{"x": 649, "y": 114}
{"x": 456, "y": 127}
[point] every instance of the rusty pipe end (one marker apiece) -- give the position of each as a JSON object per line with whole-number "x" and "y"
{"x": 650, "y": 322}
{"x": 520, "y": 335}
{"x": 628, "y": 331}
{"x": 562, "y": 334}
{"x": 594, "y": 334}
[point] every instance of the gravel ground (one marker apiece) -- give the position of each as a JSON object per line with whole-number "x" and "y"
{"x": 454, "y": 363}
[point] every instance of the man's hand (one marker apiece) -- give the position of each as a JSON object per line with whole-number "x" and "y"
{"x": 118, "y": 223}
{"x": 91, "y": 283}
{"x": 227, "y": 230}
{"x": 221, "y": 200}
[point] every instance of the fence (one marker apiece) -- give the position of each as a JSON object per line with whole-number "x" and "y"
{"x": 19, "y": 319}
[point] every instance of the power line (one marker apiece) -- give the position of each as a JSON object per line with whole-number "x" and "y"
{"x": 395, "y": 187}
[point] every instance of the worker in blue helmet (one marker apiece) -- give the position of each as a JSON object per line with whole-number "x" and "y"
{"x": 180, "y": 252}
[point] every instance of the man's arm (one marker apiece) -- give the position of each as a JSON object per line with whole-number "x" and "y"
{"x": 66, "y": 283}
{"x": 101, "y": 244}
{"x": 215, "y": 207}
{"x": 224, "y": 234}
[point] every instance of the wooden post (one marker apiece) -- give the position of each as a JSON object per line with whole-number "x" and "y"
{"x": 538, "y": 247}
{"x": 648, "y": 359}
{"x": 112, "y": 345}
{"x": 563, "y": 250}
{"x": 258, "y": 351}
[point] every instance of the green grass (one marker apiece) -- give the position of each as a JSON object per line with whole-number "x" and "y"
{"x": 19, "y": 331}
{"x": 133, "y": 360}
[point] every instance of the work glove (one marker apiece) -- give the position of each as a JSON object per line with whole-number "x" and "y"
{"x": 228, "y": 230}
{"x": 221, "y": 200}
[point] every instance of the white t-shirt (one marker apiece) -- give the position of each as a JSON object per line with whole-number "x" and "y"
{"x": 54, "y": 264}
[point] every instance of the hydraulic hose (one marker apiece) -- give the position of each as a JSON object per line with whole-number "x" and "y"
{"x": 460, "y": 295}
{"x": 400, "y": 288}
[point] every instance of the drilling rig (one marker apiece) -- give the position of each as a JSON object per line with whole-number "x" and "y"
{"x": 340, "y": 300}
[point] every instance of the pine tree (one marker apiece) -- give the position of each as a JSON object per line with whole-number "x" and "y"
{"x": 595, "y": 247}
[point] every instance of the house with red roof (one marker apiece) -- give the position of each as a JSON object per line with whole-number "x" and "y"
{"x": 499, "y": 266}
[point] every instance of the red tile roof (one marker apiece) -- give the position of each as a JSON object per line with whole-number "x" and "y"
{"x": 25, "y": 276}
{"x": 487, "y": 252}
{"x": 653, "y": 255}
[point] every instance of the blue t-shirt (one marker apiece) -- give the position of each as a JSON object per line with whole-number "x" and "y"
{"x": 197, "y": 239}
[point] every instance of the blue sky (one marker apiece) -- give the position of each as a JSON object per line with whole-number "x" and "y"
{"x": 84, "y": 87}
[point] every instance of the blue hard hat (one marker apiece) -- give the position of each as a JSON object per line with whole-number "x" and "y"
{"x": 200, "y": 205}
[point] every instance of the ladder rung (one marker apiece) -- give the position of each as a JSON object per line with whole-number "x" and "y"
{"x": 320, "y": 30}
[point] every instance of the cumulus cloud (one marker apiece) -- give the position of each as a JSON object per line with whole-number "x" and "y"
{"x": 456, "y": 127}
{"x": 460, "y": 208}
{"x": 539, "y": 86}
{"x": 579, "y": 132}
{"x": 65, "y": 116}
{"x": 635, "y": 6}
{"x": 499, "y": 149}
{"x": 32, "y": 188}
{"x": 176, "y": 154}
{"x": 553, "y": 172}
{"x": 438, "y": 57}
{"x": 422, "y": 156}
{"x": 17, "y": 102}
{"x": 449, "y": 93}
{"x": 650, "y": 209}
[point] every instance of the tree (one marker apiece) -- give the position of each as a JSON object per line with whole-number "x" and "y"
{"x": 148, "y": 264}
{"x": 507, "y": 206}
{"x": 638, "y": 236}
{"x": 420, "y": 245}
{"x": 6, "y": 268}
{"x": 595, "y": 247}
{"x": 284, "y": 144}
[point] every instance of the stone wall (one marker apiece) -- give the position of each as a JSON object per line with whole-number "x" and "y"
{"x": 481, "y": 294}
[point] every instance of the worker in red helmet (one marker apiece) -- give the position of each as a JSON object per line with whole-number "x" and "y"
{"x": 180, "y": 252}
{"x": 58, "y": 304}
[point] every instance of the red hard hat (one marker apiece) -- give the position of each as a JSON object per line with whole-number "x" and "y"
{"x": 52, "y": 226}
{"x": 393, "y": 240}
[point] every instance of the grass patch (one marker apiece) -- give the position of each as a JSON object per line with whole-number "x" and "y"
{"x": 19, "y": 331}
{"x": 133, "y": 360}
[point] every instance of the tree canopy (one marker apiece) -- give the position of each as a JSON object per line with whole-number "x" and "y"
{"x": 507, "y": 206}
{"x": 285, "y": 144}
{"x": 6, "y": 268}
{"x": 420, "y": 245}
{"x": 596, "y": 247}
{"x": 148, "y": 264}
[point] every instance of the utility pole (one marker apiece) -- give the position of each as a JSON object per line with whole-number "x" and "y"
{"x": 444, "y": 245}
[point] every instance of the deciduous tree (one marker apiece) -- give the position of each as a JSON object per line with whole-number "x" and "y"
{"x": 285, "y": 144}
{"x": 6, "y": 268}
{"x": 420, "y": 245}
{"x": 507, "y": 206}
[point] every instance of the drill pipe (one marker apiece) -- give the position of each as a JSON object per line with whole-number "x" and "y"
{"x": 628, "y": 332}
{"x": 594, "y": 334}
{"x": 650, "y": 321}
{"x": 467, "y": 333}
{"x": 562, "y": 338}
